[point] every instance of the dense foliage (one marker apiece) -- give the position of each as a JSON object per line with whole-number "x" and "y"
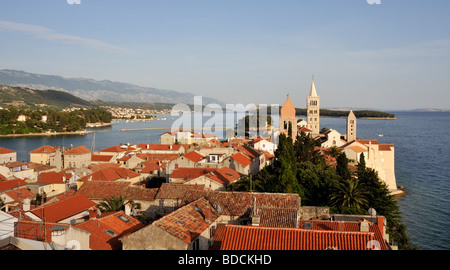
{"x": 301, "y": 169}
{"x": 57, "y": 121}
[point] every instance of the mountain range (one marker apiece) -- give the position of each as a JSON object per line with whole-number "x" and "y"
{"x": 105, "y": 90}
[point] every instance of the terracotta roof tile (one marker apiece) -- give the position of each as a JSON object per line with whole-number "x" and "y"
{"x": 110, "y": 174}
{"x": 103, "y": 158}
{"x": 19, "y": 194}
{"x": 242, "y": 203}
{"x": 6, "y": 151}
{"x": 53, "y": 177}
{"x": 188, "y": 222}
{"x": 106, "y": 231}
{"x": 11, "y": 184}
{"x": 235, "y": 237}
{"x": 64, "y": 209}
{"x": 193, "y": 156}
{"x": 107, "y": 189}
{"x": 175, "y": 191}
{"x": 189, "y": 173}
{"x": 78, "y": 150}
{"x": 46, "y": 149}
{"x": 241, "y": 159}
{"x": 385, "y": 147}
{"x": 174, "y": 147}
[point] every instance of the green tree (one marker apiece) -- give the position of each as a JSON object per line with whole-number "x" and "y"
{"x": 114, "y": 204}
{"x": 285, "y": 167}
{"x": 317, "y": 181}
{"x": 342, "y": 166}
{"x": 333, "y": 151}
{"x": 362, "y": 163}
{"x": 379, "y": 198}
{"x": 350, "y": 193}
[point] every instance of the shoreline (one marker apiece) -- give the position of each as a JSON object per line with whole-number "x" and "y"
{"x": 368, "y": 118}
{"x": 83, "y": 132}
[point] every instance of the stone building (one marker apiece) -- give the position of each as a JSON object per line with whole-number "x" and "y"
{"x": 77, "y": 157}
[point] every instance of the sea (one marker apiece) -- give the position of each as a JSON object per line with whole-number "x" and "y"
{"x": 422, "y": 160}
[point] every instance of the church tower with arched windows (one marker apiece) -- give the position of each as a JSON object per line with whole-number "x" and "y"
{"x": 313, "y": 111}
{"x": 351, "y": 127}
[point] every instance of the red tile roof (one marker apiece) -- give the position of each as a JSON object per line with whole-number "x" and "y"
{"x": 46, "y": 149}
{"x": 64, "y": 209}
{"x": 106, "y": 189}
{"x": 102, "y": 158}
{"x": 242, "y": 203}
{"x": 224, "y": 175}
{"x": 150, "y": 167}
{"x": 188, "y": 222}
{"x": 158, "y": 157}
{"x": 174, "y": 147}
{"x": 106, "y": 231}
{"x": 6, "y": 151}
{"x": 385, "y": 147}
{"x": 11, "y": 184}
{"x": 241, "y": 159}
{"x": 325, "y": 225}
{"x": 118, "y": 148}
{"x": 235, "y": 237}
{"x": 367, "y": 141}
{"x": 78, "y": 150}
{"x": 19, "y": 194}
{"x": 189, "y": 173}
{"x": 110, "y": 174}
{"x": 193, "y": 156}
{"x": 54, "y": 177}
{"x": 175, "y": 191}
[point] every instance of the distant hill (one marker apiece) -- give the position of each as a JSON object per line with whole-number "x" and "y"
{"x": 90, "y": 89}
{"x": 31, "y": 98}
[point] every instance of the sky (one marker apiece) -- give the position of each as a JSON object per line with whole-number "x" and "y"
{"x": 375, "y": 54}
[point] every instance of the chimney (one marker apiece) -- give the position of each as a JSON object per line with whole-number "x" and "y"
{"x": 26, "y": 204}
{"x": 364, "y": 226}
{"x": 128, "y": 209}
{"x": 92, "y": 213}
{"x": 380, "y": 223}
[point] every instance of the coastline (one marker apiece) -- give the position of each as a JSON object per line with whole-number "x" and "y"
{"x": 82, "y": 132}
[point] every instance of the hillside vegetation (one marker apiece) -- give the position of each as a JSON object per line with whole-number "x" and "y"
{"x": 34, "y": 99}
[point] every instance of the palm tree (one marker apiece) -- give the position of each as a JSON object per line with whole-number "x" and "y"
{"x": 350, "y": 194}
{"x": 333, "y": 151}
{"x": 115, "y": 204}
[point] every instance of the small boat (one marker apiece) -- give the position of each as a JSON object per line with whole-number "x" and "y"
{"x": 380, "y": 135}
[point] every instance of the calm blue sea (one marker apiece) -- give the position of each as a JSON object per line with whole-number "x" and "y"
{"x": 421, "y": 157}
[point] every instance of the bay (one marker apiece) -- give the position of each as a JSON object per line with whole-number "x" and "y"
{"x": 422, "y": 163}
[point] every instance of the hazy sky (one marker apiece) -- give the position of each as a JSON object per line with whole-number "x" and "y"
{"x": 392, "y": 55}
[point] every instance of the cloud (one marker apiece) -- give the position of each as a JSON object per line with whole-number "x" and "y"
{"x": 48, "y": 34}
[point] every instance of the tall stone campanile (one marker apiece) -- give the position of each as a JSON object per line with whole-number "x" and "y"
{"x": 351, "y": 127}
{"x": 313, "y": 111}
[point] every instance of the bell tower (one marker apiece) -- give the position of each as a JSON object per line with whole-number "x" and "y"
{"x": 313, "y": 110}
{"x": 288, "y": 120}
{"x": 351, "y": 127}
